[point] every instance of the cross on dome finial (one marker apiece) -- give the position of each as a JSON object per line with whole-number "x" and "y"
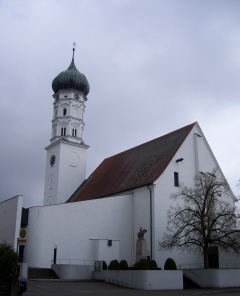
{"x": 74, "y": 44}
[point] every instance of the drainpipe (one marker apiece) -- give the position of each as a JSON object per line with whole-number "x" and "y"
{"x": 151, "y": 235}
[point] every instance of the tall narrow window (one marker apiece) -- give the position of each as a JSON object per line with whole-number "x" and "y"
{"x": 74, "y": 132}
{"x": 55, "y": 256}
{"x": 176, "y": 179}
{"x": 63, "y": 131}
{"x": 64, "y": 111}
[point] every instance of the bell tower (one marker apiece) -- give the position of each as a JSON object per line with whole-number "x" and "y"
{"x": 66, "y": 154}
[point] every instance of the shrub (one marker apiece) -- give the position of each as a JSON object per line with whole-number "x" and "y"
{"x": 134, "y": 267}
{"x": 143, "y": 264}
{"x": 153, "y": 265}
{"x": 8, "y": 261}
{"x": 123, "y": 265}
{"x": 104, "y": 265}
{"x": 170, "y": 264}
{"x": 114, "y": 265}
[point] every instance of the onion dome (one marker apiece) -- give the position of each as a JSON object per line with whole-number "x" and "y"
{"x": 71, "y": 78}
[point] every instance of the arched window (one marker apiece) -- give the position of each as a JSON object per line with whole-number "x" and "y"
{"x": 64, "y": 111}
{"x": 63, "y": 131}
{"x": 74, "y": 132}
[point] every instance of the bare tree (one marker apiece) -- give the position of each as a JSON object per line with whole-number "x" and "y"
{"x": 205, "y": 218}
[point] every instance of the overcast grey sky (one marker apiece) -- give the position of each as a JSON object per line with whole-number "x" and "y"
{"x": 153, "y": 66}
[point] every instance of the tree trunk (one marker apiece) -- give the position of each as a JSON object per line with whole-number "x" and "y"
{"x": 205, "y": 258}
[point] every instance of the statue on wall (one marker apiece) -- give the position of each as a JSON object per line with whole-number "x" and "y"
{"x": 141, "y": 233}
{"x": 141, "y": 246}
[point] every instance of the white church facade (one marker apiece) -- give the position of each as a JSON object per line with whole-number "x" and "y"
{"x": 98, "y": 218}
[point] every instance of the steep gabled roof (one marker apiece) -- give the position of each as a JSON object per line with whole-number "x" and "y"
{"x": 136, "y": 167}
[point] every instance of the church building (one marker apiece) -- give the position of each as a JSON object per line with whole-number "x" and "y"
{"x": 98, "y": 218}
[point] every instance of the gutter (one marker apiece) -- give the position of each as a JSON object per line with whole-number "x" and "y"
{"x": 151, "y": 232}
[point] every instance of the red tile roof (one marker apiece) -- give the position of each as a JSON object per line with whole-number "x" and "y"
{"x": 136, "y": 167}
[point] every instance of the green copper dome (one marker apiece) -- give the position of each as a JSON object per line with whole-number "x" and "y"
{"x": 71, "y": 78}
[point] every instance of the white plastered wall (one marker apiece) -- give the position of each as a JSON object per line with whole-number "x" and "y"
{"x": 200, "y": 158}
{"x": 10, "y": 220}
{"x": 68, "y": 172}
{"x": 79, "y": 231}
{"x": 141, "y": 217}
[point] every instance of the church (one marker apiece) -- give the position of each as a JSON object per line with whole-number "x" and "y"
{"x": 98, "y": 218}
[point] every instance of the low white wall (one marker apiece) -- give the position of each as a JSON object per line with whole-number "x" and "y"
{"x": 145, "y": 279}
{"x": 73, "y": 272}
{"x": 214, "y": 278}
{"x": 24, "y": 269}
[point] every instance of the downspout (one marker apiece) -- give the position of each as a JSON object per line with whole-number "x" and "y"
{"x": 133, "y": 245}
{"x": 151, "y": 235}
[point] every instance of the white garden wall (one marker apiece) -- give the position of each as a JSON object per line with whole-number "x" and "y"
{"x": 145, "y": 279}
{"x": 23, "y": 269}
{"x": 73, "y": 272}
{"x": 214, "y": 278}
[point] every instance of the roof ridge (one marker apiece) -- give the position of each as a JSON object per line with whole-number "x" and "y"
{"x": 145, "y": 143}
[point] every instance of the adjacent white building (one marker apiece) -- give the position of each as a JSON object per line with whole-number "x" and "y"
{"x": 98, "y": 218}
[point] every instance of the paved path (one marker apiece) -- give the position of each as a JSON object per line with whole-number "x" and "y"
{"x": 52, "y": 288}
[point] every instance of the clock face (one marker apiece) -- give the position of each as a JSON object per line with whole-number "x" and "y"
{"x": 52, "y": 160}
